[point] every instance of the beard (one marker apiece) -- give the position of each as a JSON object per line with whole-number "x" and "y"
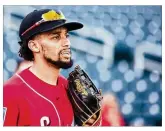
{"x": 59, "y": 63}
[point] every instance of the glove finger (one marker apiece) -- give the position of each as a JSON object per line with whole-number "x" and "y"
{"x": 94, "y": 116}
{"x": 90, "y": 121}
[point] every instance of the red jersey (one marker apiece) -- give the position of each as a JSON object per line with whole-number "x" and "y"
{"x": 29, "y": 101}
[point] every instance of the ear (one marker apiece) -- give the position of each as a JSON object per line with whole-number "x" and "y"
{"x": 34, "y": 46}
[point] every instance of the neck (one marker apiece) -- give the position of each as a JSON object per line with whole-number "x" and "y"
{"x": 45, "y": 72}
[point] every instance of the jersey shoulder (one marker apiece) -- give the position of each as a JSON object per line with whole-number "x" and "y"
{"x": 12, "y": 87}
{"x": 63, "y": 80}
{"x": 12, "y": 82}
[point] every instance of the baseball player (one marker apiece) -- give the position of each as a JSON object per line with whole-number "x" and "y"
{"x": 37, "y": 96}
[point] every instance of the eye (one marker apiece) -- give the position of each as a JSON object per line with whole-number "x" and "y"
{"x": 57, "y": 37}
{"x": 67, "y": 35}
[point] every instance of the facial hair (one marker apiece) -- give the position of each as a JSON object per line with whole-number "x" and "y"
{"x": 59, "y": 63}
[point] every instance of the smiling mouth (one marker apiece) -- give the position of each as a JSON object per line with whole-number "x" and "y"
{"x": 66, "y": 53}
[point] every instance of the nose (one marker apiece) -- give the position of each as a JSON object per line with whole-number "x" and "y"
{"x": 66, "y": 43}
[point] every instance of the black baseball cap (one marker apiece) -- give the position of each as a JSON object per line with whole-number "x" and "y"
{"x": 44, "y": 20}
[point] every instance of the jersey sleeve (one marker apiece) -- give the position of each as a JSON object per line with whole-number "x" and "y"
{"x": 10, "y": 109}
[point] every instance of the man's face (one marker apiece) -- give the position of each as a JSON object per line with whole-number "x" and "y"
{"x": 55, "y": 48}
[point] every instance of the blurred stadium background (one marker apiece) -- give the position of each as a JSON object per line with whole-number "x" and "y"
{"x": 120, "y": 47}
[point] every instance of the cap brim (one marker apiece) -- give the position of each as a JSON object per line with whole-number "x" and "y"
{"x": 70, "y": 26}
{"x": 73, "y": 26}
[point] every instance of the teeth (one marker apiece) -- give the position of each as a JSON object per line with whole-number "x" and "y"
{"x": 65, "y": 52}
